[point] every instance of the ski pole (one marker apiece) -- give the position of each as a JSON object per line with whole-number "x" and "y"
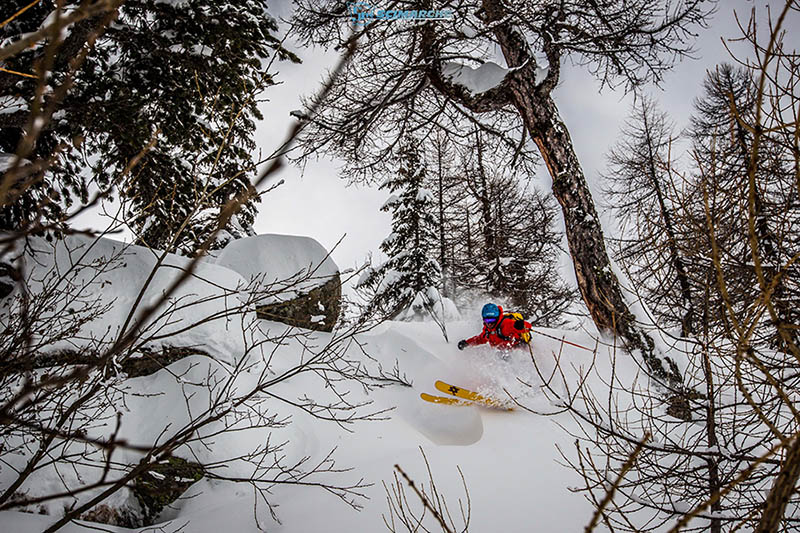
{"x": 562, "y": 340}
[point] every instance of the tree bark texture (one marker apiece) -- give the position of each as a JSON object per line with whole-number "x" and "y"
{"x": 597, "y": 282}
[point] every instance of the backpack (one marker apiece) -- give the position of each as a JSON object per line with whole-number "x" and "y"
{"x": 525, "y": 335}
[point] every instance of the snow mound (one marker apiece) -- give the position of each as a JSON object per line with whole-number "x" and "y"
{"x": 108, "y": 286}
{"x": 289, "y": 265}
{"x": 485, "y": 77}
{"x": 441, "y": 424}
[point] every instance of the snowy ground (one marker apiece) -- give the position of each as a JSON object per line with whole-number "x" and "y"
{"x": 510, "y": 460}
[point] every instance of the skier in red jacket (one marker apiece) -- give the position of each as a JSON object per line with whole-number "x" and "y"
{"x": 499, "y": 331}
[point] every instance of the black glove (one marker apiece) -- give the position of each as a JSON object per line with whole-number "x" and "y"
{"x": 519, "y": 324}
{"x": 462, "y": 345}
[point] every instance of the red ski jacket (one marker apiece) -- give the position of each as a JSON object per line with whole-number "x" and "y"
{"x": 501, "y": 334}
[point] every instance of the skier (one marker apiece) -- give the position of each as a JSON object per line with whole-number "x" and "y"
{"x": 500, "y": 331}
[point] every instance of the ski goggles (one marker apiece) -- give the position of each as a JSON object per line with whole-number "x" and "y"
{"x": 490, "y": 320}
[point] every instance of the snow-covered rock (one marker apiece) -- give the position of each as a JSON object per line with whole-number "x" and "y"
{"x": 296, "y": 264}
{"x": 292, "y": 279}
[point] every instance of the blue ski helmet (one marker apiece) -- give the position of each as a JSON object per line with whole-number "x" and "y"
{"x": 490, "y": 311}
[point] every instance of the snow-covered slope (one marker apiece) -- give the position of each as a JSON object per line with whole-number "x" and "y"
{"x": 510, "y": 460}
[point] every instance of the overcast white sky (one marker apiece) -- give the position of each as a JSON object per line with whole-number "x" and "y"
{"x": 320, "y": 205}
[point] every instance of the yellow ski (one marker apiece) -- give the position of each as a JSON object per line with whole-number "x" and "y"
{"x": 467, "y": 394}
{"x": 449, "y": 400}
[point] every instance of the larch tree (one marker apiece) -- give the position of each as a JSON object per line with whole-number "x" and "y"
{"x": 736, "y": 466}
{"x": 642, "y": 189}
{"x": 723, "y": 146}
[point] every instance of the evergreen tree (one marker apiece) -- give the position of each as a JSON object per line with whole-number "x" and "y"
{"x": 406, "y": 284}
{"x": 174, "y": 83}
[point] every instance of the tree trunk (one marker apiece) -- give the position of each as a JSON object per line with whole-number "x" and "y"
{"x": 687, "y": 320}
{"x": 712, "y": 462}
{"x": 442, "y": 242}
{"x": 598, "y": 284}
{"x": 469, "y": 233}
{"x": 486, "y": 204}
{"x": 781, "y": 491}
